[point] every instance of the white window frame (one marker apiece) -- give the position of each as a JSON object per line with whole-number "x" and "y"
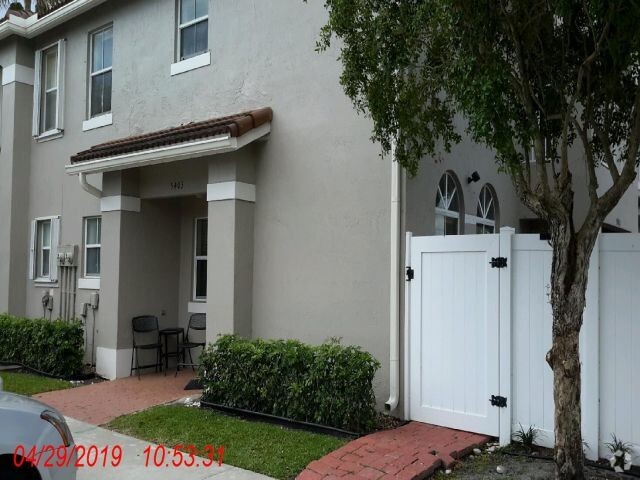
{"x": 87, "y": 245}
{"x": 484, "y": 209}
{"x": 36, "y": 250}
{"x": 41, "y": 248}
{"x": 182, "y": 26}
{"x": 197, "y": 258}
{"x": 58, "y": 129}
{"x": 92, "y": 74}
{"x": 445, "y": 212}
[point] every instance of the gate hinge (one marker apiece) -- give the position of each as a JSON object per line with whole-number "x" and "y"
{"x": 498, "y": 401}
{"x": 409, "y": 274}
{"x": 498, "y": 262}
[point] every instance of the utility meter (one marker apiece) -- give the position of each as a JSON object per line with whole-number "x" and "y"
{"x": 67, "y": 255}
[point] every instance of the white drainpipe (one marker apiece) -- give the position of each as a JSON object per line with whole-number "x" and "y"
{"x": 394, "y": 293}
{"x": 86, "y": 186}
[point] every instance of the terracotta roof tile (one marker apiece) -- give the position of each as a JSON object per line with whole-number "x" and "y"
{"x": 22, "y": 13}
{"x": 234, "y": 125}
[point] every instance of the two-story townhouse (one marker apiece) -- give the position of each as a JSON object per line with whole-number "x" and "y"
{"x": 199, "y": 156}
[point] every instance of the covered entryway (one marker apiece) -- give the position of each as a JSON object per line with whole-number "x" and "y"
{"x": 454, "y": 332}
{"x": 173, "y": 203}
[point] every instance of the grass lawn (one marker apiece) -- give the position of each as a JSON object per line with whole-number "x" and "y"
{"x": 28, "y": 384}
{"x": 256, "y": 446}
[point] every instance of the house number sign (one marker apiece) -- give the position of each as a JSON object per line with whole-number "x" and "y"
{"x": 177, "y": 185}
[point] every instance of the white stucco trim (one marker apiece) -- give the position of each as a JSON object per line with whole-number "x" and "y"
{"x": 116, "y": 203}
{"x": 474, "y": 220}
{"x": 97, "y": 122}
{"x": 34, "y": 26}
{"x": 192, "y": 63}
{"x": 50, "y": 135}
{"x": 89, "y": 283}
{"x": 18, "y": 73}
{"x": 172, "y": 153}
{"x": 231, "y": 191}
{"x": 113, "y": 363}
{"x": 197, "y": 307}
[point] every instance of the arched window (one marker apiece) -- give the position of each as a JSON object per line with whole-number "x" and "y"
{"x": 448, "y": 205}
{"x": 488, "y": 211}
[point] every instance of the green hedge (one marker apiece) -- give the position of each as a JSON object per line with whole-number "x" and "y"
{"x": 329, "y": 384}
{"x": 54, "y": 347}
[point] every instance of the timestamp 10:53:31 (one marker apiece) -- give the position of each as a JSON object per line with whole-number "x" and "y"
{"x": 182, "y": 456}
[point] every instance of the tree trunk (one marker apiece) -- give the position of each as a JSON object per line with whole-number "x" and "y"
{"x": 568, "y": 452}
{"x": 569, "y": 283}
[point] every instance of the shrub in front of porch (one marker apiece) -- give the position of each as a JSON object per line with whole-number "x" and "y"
{"x": 53, "y": 347}
{"x": 329, "y": 384}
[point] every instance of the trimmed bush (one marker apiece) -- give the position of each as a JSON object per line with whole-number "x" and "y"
{"x": 54, "y": 347}
{"x": 329, "y": 384}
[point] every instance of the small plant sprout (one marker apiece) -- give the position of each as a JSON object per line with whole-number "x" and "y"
{"x": 621, "y": 454}
{"x": 526, "y": 437}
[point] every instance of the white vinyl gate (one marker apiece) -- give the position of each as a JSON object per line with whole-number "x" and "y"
{"x": 475, "y": 332}
{"x": 454, "y": 332}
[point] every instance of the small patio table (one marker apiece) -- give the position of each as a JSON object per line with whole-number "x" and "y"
{"x": 166, "y": 333}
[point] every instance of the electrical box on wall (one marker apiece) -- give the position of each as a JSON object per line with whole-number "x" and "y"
{"x": 94, "y": 299}
{"x": 67, "y": 255}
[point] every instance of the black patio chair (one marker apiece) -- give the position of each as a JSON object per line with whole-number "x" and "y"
{"x": 197, "y": 322}
{"x": 146, "y": 336}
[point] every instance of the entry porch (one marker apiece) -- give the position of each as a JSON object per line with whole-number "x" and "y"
{"x": 177, "y": 212}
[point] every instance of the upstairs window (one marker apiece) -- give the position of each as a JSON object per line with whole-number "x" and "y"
{"x": 193, "y": 28}
{"x": 487, "y": 211}
{"x": 448, "y": 206}
{"x": 101, "y": 45}
{"x": 48, "y": 90}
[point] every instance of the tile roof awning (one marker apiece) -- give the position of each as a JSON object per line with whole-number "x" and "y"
{"x": 209, "y": 137}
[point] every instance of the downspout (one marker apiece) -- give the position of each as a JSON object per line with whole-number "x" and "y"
{"x": 87, "y": 187}
{"x": 394, "y": 293}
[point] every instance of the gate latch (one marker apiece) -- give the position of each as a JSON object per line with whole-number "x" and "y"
{"x": 498, "y": 262}
{"x": 498, "y": 401}
{"x": 409, "y": 274}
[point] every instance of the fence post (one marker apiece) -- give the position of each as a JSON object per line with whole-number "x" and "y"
{"x": 506, "y": 234}
{"x": 590, "y": 354}
{"x": 405, "y": 336}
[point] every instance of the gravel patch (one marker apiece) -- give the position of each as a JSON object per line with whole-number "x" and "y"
{"x": 485, "y": 466}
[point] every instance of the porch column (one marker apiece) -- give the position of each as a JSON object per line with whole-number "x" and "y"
{"x": 15, "y": 140}
{"x": 231, "y": 198}
{"x": 120, "y": 207}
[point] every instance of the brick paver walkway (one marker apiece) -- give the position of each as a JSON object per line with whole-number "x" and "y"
{"x": 102, "y": 402}
{"x": 411, "y": 452}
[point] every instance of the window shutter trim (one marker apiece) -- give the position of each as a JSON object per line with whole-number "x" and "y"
{"x": 35, "y": 124}
{"x": 61, "y": 67}
{"x": 32, "y": 251}
{"x": 55, "y": 241}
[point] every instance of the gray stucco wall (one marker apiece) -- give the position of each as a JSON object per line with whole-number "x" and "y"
{"x": 467, "y": 157}
{"x": 463, "y": 160}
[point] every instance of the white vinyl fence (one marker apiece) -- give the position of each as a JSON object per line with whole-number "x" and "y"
{"x": 610, "y": 337}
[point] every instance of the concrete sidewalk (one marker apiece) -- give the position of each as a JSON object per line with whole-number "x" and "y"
{"x": 132, "y": 466}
